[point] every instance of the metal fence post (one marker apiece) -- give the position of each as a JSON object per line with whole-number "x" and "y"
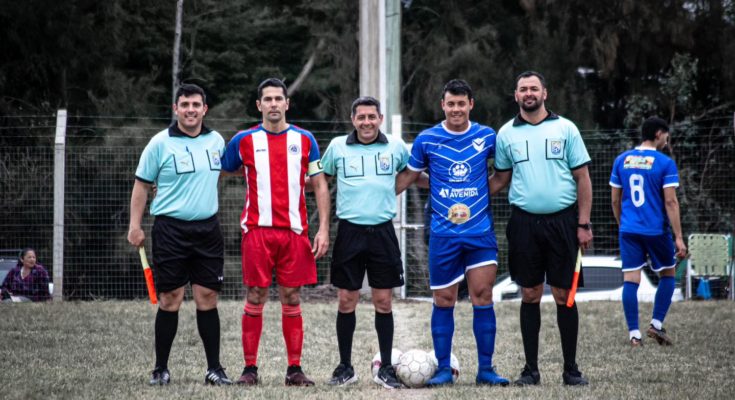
{"x": 59, "y": 171}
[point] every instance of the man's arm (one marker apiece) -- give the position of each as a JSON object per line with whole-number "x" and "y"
{"x": 615, "y": 196}
{"x": 672, "y": 211}
{"x": 323, "y": 205}
{"x": 406, "y": 177}
{"x": 136, "y": 236}
{"x": 584, "y": 203}
{"x": 499, "y": 180}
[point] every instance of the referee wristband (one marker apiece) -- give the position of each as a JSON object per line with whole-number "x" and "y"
{"x": 587, "y": 226}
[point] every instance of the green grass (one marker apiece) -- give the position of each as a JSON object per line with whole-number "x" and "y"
{"x": 97, "y": 350}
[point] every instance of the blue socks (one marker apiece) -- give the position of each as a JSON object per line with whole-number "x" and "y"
{"x": 630, "y": 304}
{"x": 442, "y": 330}
{"x": 662, "y": 301}
{"x": 483, "y": 326}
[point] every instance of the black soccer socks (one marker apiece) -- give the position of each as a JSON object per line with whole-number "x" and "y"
{"x": 167, "y": 322}
{"x": 345, "y": 330}
{"x": 568, "y": 321}
{"x": 530, "y": 327}
{"x": 209, "y": 331}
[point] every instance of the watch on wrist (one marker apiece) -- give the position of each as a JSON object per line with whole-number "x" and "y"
{"x": 587, "y": 226}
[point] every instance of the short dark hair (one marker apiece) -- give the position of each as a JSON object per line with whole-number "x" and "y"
{"x": 365, "y": 101}
{"x": 189, "y": 89}
{"x": 652, "y": 125}
{"x": 272, "y": 82}
{"x": 457, "y": 87}
{"x": 528, "y": 74}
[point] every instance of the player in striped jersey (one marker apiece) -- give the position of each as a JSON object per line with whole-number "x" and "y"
{"x": 462, "y": 243}
{"x": 275, "y": 158}
{"x": 644, "y": 203}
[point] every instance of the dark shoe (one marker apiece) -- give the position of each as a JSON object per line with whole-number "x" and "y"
{"x": 660, "y": 335}
{"x": 296, "y": 377}
{"x": 249, "y": 376}
{"x": 528, "y": 377}
{"x": 573, "y": 377}
{"x": 488, "y": 376}
{"x": 216, "y": 376}
{"x": 636, "y": 342}
{"x": 160, "y": 376}
{"x": 442, "y": 376}
{"x": 343, "y": 375}
{"x": 386, "y": 377}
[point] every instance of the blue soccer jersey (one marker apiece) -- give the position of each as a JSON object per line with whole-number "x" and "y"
{"x": 642, "y": 174}
{"x": 457, "y": 164}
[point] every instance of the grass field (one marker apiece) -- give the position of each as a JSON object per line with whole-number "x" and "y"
{"x": 96, "y": 350}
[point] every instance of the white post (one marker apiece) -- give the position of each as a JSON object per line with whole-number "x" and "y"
{"x": 59, "y": 172}
{"x": 399, "y": 222}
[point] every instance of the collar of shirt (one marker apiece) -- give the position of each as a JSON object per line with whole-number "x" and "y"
{"x": 174, "y": 131}
{"x": 352, "y": 138}
{"x": 518, "y": 120}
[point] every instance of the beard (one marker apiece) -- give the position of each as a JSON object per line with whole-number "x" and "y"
{"x": 531, "y": 107}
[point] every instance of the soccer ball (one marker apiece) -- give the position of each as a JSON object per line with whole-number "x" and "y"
{"x": 375, "y": 365}
{"x": 453, "y": 363}
{"x": 415, "y": 368}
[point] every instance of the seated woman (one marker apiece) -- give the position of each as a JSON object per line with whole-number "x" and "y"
{"x": 28, "y": 279}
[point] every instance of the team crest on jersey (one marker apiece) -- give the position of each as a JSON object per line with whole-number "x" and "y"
{"x": 459, "y": 172}
{"x": 215, "y": 158}
{"x": 384, "y": 163}
{"x": 638, "y": 162}
{"x": 478, "y": 144}
{"x": 294, "y": 149}
{"x": 555, "y": 147}
{"x": 459, "y": 213}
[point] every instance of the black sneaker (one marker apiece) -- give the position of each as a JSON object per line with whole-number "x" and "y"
{"x": 386, "y": 377}
{"x": 160, "y": 376}
{"x": 343, "y": 375}
{"x": 295, "y": 377}
{"x": 528, "y": 377}
{"x": 660, "y": 335}
{"x": 573, "y": 377}
{"x": 249, "y": 376}
{"x": 216, "y": 376}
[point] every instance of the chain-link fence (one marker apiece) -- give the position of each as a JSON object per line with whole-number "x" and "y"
{"x": 102, "y": 154}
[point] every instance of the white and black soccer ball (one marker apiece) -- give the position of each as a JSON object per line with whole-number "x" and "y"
{"x": 415, "y": 368}
{"x": 453, "y": 363}
{"x": 377, "y": 362}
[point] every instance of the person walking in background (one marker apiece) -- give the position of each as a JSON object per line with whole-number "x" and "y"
{"x": 365, "y": 163}
{"x": 183, "y": 161}
{"x": 27, "y": 280}
{"x": 544, "y": 159}
{"x": 644, "y": 204}
{"x": 276, "y": 157}
{"x": 462, "y": 241}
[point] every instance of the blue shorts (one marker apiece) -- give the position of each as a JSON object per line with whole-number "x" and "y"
{"x": 634, "y": 248}
{"x": 451, "y": 257}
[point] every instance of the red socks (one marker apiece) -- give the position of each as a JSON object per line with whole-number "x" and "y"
{"x": 293, "y": 332}
{"x": 252, "y": 326}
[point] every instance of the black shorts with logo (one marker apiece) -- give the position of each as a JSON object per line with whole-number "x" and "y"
{"x": 371, "y": 248}
{"x": 543, "y": 246}
{"x": 187, "y": 252}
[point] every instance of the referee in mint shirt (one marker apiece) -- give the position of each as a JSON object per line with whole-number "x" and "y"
{"x": 365, "y": 163}
{"x": 544, "y": 159}
{"x": 184, "y": 163}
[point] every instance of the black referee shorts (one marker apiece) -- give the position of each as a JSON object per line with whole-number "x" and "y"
{"x": 543, "y": 246}
{"x": 187, "y": 252}
{"x": 371, "y": 248}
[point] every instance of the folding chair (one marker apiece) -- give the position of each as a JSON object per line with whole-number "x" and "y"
{"x": 710, "y": 255}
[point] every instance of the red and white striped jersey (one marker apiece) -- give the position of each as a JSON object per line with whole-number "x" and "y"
{"x": 275, "y": 165}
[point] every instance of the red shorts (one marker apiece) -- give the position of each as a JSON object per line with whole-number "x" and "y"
{"x": 264, "y": 249}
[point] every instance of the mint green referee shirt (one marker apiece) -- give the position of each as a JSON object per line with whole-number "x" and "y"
{"x": 542, "y": 158}
{"x": 366, "y": 176}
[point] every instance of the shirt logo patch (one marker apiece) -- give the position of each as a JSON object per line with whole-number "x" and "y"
{"x": 459, "y": 213}
{"x": 459, "y": 171}
{"x": 294, "y": 149}
{"x": 638, "y": 162}
{"x": 384, "y": 163}
{"x": 458, "y": 193}
{"x": 215, "y": 158}
{"x": 478, "y": 144}
{"x": 555, "y": 147}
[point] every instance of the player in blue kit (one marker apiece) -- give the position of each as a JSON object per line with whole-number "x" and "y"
{"x": 462, "y": 243}
{"x": 644, "y": 203}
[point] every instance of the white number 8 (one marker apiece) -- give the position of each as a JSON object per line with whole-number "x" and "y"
{"x": 636, "y": 190}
